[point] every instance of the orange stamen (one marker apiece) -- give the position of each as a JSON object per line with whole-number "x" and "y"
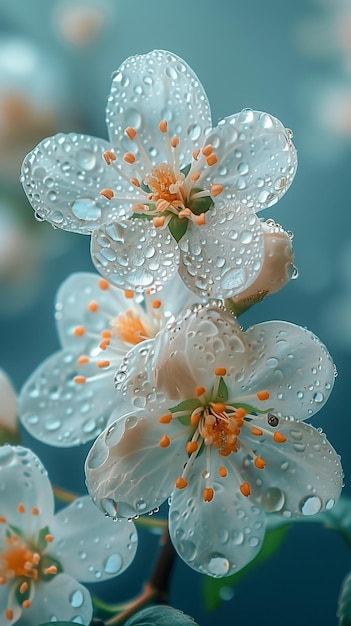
{"x": 159, "y": 221}
{"x": 216, "y": 190}
{"x": 245, "y": 489}
{"x": 107, "y": 193}
{"x": 50, "y": 570}
{"x": 260, "y": 463}
{"x": 220, "y": 371}
{"x": 240, "y": 412}
{"x": 218, "y": 407}
{"x": 279, "y": 437}
{"x": 129, "y": 157}
{"x": 180, "y": 482}
{"x": 109, "y": 156}
{"x": 263, "y": 395}
{"x": 164, "y": 441}
{"x": 211, "y": 160}
{"x": 128, "y": 293}
{"x": 21, "y": 508}
{"x": 93, "y": 306}
{"x": 26, "y": 604}
{"x": 165, "y": 419}
{"x": 135, "y": 182}
{"x": 83, "y": 360}
{"x": 174, "y": 142}
{"x": 9, "y": 613}
{"x": 191, "y": 447}
{"x": 103, "y": 364}
{"x": 130, "y": 132}
{"x": 23, "y": 587}
{"x": 199, "y": 391}
{"x": 207, "y": 150}
{"x": 35, "y": 510}
{"x": 106, "y": 334}
{"x": 80, "y": 380}
{"x": 200, "y": 220}
{"x": 222, "y": 471}
{"x": 163, "y": 126}
{"x": 156, "y": 304}
{"x": 103, "y": 284}
{"x": 79, "y": 331}
{"x": 49, "y": 538}
{"x": 208, "y": 494}
{"x": 195, "y": 176}
{"x": 256, "y": 431}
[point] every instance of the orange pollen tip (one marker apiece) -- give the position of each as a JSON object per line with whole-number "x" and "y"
{"x": 106, "y": 334}
{"x": 23, "y": 587}
{"x": 263, "y": 395}
{"x": 79, "y": 331}
{"x": 279, "y": 437}
{"x": 194, "y": 418}
{"x": 256, "y": 431}
{"x": 3, "y": 580}
{"x": 26, "y": 604}
{"x": 35, "y": 559}
{"x": 216, "y": 190}
{"x": 21, "y": 508}
{"x": 175, "y": 142}
{"x": 199, "y": 391}
{"x": 9, "y": 613}
{"x": 107, "y": 193}
{"x": 130, "y": 132}
{"x": 103, "y": 345}
{"x": 218, "y": 407}
{"x": 50, "y": 570}
{"x": 245, "y": 489}
{"x": 158, "y": 221}
{"x": 166, "y": 418}
{"x": 156, "y": 304}
{"x": 260, "y": 463}
{"x": 184, "y": 213}
{"x": 220, "y": 371}
{"x": 207, "y": 150}
{"x": 80, "y": 380}
{"x": 240, "y": 413}
{"x": 222, "y": 471}
{"x": 164, "y": 441}
{"x": 135, "y": 182}
{"x": 191, "y": 447}
{"x": 93, "y": 306}
{"x": 163, "y": 126}
{"x": 49, "y": 538}
{"x": 35, "y": 510}
{"x": 103, "y": 284}
{"x": 211, "y": 160}
{"x": 195, "y": 176}
{"x": 3, "y": 520}
{"x": 109, "y": 156}
{"x": 128, "y": 293}
{"x": 180, "y": 482}
{"x": 196, "y": 154}
{"x": 103, "y": 364}
{"x": 200, "y": 220}
{"x": 208, "y": 494}
{"x": 129, "y": 157}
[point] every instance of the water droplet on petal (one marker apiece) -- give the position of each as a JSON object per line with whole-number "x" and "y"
{"x": 310, "y": 505}
{"x": 86, "y": 209}
{"x": 113, "y": 564}
{"x": 76, "y": 599}
{"x": 217, "y": 565}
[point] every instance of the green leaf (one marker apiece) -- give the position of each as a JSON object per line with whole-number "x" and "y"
{"x": 222, "y": 393}
{"x": 59, "y": 624}
{"x": 344, "y": 602}
{"x": 338, "y": 518}
{"x": 200, "y": 205}
{"x": 186, "y": 405}
{"x": 160, "y": 615}
{"x": 213, "y": 587}
{"x": 177, "y": 227}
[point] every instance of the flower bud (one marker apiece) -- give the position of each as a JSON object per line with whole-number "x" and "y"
{"x": 276, "y": 269}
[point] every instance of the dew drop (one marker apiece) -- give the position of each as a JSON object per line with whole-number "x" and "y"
{"x": 318, "y": 397}
{"x": 113, "y": 564}
{"x": 86, "y": 159}
{"x": 310, "y": 505}
{"x": 217, "y": 565}
{"x": 86, "y": 209}
{"x": 76, "y": 599}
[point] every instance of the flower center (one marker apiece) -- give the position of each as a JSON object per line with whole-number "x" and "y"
{"x": 129, "y": 327}
{"x": 21, "y": 563}
{"x": 166, "y": 194}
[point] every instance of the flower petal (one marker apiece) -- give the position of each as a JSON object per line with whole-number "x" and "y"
{"x": 127, "y": 471}
{"x": 292, "y": 364}
{"x": 8, "y": 404}
{"x": 61, "y": 412}
{"x": 256, "y": 158}
{"x": 62, "y": 599}
{"x": 63, "y": 177}
{"x": 74, "y": 308}
{"x": 90, "y": 546}
{"x": 219, "y": 537}
{"x": 223, "y": 257}
{"x": 134, "y": 254}
{"x": 23, "y": 479}
{"x": 153, "y": 87}
{"x": 302, "y": 476}
{"x": 135, "y": 377}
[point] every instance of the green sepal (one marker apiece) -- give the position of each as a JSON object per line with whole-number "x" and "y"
{"x": 142, "y": 216}
{"x": 212, "y": 586}
{"x": 186, "y": 405}
{"x": 41, "y": 543}
{"x": 250, "y": 410}
{"x": 199, "y": 205}
{"x": 222, "y": 393}
{"x": 177, "y": 227}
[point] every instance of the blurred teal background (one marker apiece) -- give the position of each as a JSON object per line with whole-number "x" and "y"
{"x": 291, "y": 59}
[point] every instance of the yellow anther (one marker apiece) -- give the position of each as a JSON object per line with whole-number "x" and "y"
{"x": 207, "y": 150}
{"x": 195, "y": 418}
{"x": 195, "y": 176}
{"x": 165, "y": 419}
{"x": 260, "y": 463}
{"x": 135, "y": 182}
{"x": 80, "y": 380}
{"x": 218, "y": 407}
{"x": 239, "y": 413}
{"x": 128, "y": 293}
{"x": 256, "y": 431}
{"x": 50, "y": 570}
{"x": 103, "y": 344}
{"x": 109, "y": 156}
{"x": 9, "y": 614}
{"x": 107, "y": 193}
{"x": 191, "y": 447}
{"x": 158, "y": 221}
{"x": 175, "y": 142}
{"x": 129, "y": 157}
{"x": 35, "y": 510}
{"x": 263, "y": 395}
{"x": 23, "y": 587}
{"x": 279, "y": 437}
{"x": 196, "y": 154}
{"x": 222, "y": 471}
{"x": 103, "y": 284}
{"x": 106, "y": 334}
{"x": 184, "y": 213}
{"x": 164, "y": 441}
{"x": 199, "y": 391}
{"x": 103, "y": 364}
{"x": 180, "y": 482}
{"x": 200, "y": 220}
{"x": 49, "y": 538}
{"x": 163, "y": 126}
{"x": 216, "y": 190}
{"x": 21, "y": 508}
{"x": 245, "y": 489}
{"x": 26, "y": 604}
{"x": 211, "y": 159}
{"x": 208, "y": 494}
{"x": 220, "y": 371}
{"x": 130, "y": 132}
{"x": 79, "y": 331}
{"x": 3, "y": 520}
{"x": 156, "y": 304}
{"x": 138, "y": 207}
{"x": 93, "y": 306}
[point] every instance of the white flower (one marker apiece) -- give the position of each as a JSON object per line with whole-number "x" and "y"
{"x": 172, "y": 193}
{"x": 71, "y": 397}
{"x": 42, "y": 555}
{"x": 218, "y": 426}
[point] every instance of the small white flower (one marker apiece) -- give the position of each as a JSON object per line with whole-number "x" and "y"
{"x": 70, "y": 397}
{"x": 218, "y": 426}
{"x": 172, "y": 193}
{"x": 42, "y": 555}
